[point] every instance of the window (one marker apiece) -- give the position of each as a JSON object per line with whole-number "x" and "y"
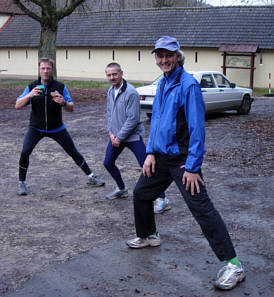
{"x": 139, "y": 55}
{"x": 66, "y": 54}
{"x": 89, "y": 54}
{"x": 261, "y": 59}
{"x": 113, "y": 55}
{"x": 196, "y": 57}
{"x": 207, "y": 81}
{"x": 8, "y": 54}
{"x": 221, "y": 81}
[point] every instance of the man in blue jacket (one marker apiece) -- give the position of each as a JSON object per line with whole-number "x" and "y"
{"x": 175, "y": 152}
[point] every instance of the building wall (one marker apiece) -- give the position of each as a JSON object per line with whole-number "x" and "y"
{"x": 3, "y": 19}
{"x": 91, "y": 63}
{"x": 138, "y": 64}
{"x": 19, "y": 62}
{"x": 263, "y": 69}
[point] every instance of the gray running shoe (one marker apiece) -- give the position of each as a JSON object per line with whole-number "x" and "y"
{"x": 22, "y": 189}
{"x": 95, "y": 181}
{"x": 138, "y": 243}
{"x": 161, "y": 205}
{"x": 117, "y": 194}
{"x": 229, "y": 276}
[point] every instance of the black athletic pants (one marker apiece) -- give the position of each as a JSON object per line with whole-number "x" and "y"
{"x": 169, "y": 169}
{"x": 62, "y": 137}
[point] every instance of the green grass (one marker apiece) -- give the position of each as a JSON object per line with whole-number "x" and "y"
{"x": 92, "y": 84}
{"x": 14, "y": 83}
{"x": 99, "y": 85}
{"x": 261, "y": 92}
{"x": 86, "y": 84}
{"x": 68, "y": 83}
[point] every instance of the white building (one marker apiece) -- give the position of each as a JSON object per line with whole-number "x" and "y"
{"x": 87, "y": 42}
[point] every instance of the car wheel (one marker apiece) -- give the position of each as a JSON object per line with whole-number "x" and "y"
{"x": 245, "y": 106}
{"x": 149, "y": 115}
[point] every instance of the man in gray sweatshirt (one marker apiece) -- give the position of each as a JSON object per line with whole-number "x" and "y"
{"x": 124, "y": 127}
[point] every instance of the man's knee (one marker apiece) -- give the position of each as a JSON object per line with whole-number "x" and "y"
{"x": 108, "y": 165}
{"x": 138, "y": 193}
{"x": 25, "y": 154}
{"x": 204, "y": 208}
{"x": 75, "y": 155}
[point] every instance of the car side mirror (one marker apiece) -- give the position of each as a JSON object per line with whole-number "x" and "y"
{"x": 232, "y": 85}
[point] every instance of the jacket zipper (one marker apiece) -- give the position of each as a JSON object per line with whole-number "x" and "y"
{"x": 46, "y": 109}
{"x": 161, "y": 111}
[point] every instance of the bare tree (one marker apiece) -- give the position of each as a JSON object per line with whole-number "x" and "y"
{"x": 96, "y": 5}
{"x": 163, "y": 3}
{"x": 48, "y": 13}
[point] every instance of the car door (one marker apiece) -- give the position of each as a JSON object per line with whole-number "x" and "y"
{"x": 210, "y": 93}
{"x": 228, "y": 96}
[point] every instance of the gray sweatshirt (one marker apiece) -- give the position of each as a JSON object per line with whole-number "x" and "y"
{"x": 123, "y": 113}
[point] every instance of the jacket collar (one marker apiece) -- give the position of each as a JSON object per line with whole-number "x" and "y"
{"x": 174, "y": 76}
{"x": 122, "y": 90}
{"x": 49, "y": 82}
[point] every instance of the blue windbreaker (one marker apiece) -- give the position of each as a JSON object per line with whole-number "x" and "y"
{"x": 178, "y": 119}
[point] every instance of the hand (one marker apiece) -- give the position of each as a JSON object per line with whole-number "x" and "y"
{"x": 149, "y": 165}
{"x": 35, "y": 92}
{"x": 192, "y": 180}
{"x": 115, "y": 141}
{"x": 112, "y": 137}
{"x": 58, "y": 98}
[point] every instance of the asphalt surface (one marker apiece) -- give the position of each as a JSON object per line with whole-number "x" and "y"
{"x": 115, "y": 270}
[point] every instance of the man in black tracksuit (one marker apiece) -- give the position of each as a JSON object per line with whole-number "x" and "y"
{"x": 47, "y": 98}
{"x": 175, "y": 152}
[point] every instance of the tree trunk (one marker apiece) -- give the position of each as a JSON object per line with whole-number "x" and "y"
{"x": 47, "y": 45}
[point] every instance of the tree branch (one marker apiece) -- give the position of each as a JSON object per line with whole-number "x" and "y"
{"x": 37, "y": 2}
{"x": 27, "y": 11}
{"x": 67, "y": 11}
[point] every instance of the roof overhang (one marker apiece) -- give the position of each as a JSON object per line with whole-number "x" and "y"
{"x": 239, "y": 48}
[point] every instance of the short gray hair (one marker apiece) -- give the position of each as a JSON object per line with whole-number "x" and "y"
{"x": 182, "y": 61}
{"x": 114, "y": 65}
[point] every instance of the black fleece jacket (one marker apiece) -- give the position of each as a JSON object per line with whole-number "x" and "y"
{"x": 46, "y": 114}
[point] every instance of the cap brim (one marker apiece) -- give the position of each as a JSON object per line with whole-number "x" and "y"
{"x": 159, "y": 48}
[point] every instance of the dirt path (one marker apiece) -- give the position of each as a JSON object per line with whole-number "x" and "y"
{"x": 63, "y": 217}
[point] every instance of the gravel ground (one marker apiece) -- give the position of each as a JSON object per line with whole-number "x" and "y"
{"x": 64, "y": 219}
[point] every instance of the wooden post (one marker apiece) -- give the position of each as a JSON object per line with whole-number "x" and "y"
{"x": 224, "y": 63}
{"x": 252, "y": 58}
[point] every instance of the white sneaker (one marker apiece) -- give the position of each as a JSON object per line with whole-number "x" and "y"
{"x": 151, "y": 240}
{"x": 117, "y": 194}
{"x": 22, "y": 188}
{"x": 95, "y": 181}
{"x": 161, "y": 204}
{"x": 229, "y": 276}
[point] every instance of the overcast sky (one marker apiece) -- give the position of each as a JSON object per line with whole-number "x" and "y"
{"x": 237, "y": 2}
